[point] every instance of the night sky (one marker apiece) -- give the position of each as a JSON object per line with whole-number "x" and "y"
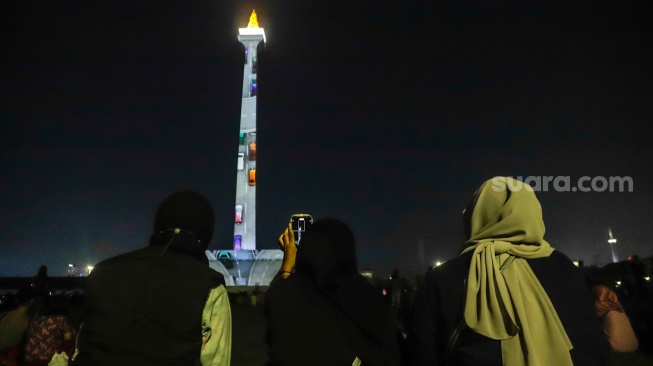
{"x": 385, "y": 114}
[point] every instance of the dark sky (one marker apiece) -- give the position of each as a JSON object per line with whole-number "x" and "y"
{"x": 386, "y": 114}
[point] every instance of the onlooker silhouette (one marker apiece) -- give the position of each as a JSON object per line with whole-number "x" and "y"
{"x": 618, "y": 329}
{"x": 324, "y": 312}
{"x": 13, "y": 325}
{"x": 40, "y": 283}
{"x": 397, "y": 288}
{"x": 48, "y": 334}
{"x": 160, "y": 305}
{"x": 509, "y": 298}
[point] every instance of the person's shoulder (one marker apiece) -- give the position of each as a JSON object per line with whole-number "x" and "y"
{"x": 450, "y": 267}
{"x": 108, "y": 267}
{"x": 561, "y": 257}
{"x": 288, "y": 291}
{"x": 217, "y": 278}
{"x": 121, "y": 257}
{"x": 24, "y": 317}
{"x": 556, "y": 261}
{"x": 280, "y": 284}
{"x": 557, "y": 269}
{"x": 11, "y": 314}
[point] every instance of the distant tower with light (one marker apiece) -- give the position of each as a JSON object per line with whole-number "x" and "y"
{"x": 612, "y": 241}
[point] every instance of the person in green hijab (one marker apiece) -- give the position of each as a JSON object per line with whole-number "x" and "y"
{"x": 509, "y": 298}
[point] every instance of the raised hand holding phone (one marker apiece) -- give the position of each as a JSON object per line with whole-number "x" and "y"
{"x": 289, "y": 248}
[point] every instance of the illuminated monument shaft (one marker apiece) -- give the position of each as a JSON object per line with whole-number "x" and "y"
{"x": 245, "y": 222}
{"x": 244, "y": 265}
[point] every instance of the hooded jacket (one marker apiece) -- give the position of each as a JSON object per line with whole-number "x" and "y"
{"x": 146, "y": 307}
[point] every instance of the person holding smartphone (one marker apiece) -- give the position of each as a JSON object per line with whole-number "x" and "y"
{"x": 298, "y": 225}
{"x": 320, "y": 310}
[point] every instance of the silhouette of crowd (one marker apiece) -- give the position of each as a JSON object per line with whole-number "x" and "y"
{"x": 508, "y": 298}
{"x": 625, "y": 290}
{"x": 253, "y": 298}
{"x": 33, "y": 327}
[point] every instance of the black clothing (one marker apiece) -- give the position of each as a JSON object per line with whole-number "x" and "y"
{"x": 438, "y": 311}
{"x": 144, "y": 309}
{"x": 326, "y": 313}
{"x": 306, "y": 329}
{"x": 183, "y": 243}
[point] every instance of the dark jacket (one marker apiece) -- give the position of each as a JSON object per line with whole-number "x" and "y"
{"x": 306, "y": 329}
{"x": 326, "y": 313}
{"x": 140, "y": 312}
{"x": 438, "y": 311}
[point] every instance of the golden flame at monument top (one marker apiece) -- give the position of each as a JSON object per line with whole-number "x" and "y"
{"x": 252, "y": 27}
{"x": 253, "y": 21}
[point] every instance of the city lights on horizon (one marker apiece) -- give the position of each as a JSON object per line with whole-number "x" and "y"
{"x": 74, "y": 271}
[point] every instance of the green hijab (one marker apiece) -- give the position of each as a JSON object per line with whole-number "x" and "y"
{"x": 505, "y": 300}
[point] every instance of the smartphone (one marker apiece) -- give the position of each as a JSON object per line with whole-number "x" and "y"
{"x": 300, "y": 223}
